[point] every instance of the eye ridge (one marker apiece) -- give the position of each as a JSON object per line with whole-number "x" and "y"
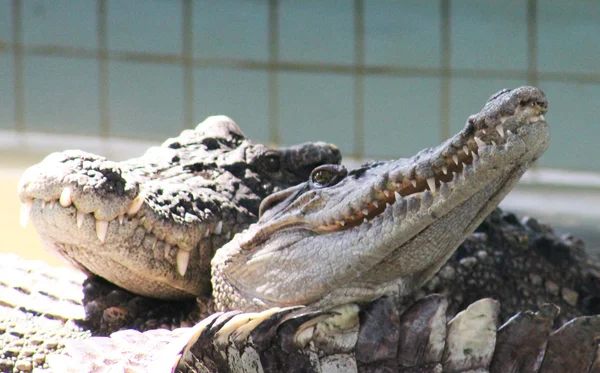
{"x": 327, "y": 175}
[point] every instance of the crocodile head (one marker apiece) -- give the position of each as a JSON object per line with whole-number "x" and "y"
{"x": 151, "y": 224}
{"x": 386, "y": 227}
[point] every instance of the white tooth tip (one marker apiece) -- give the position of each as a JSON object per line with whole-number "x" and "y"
{"x": 25, "y": 211}
{"x": 218, "y": 228}
{"x": 387, "y": 193}
{"x": 445, "y": 170}
{"x": 375, "y": 203}
{"x": 484, "y": 132}
{"x": 101, "y": 229}
{"x": 466, "y": 149}
{"x": 183, "y": 258}
{"x": 136, "y": 204}
{"x": 397, "y": 196}
{"x": 455, "y": 159}
{"x": 65, "y": 197}
{"x": 80, "y": 216}
{"x": 479, "y": 142}
{"x": 494, "y": 143}
{"x": 342, "y": 223}
{"x": 500, "y": 130}
{"x": 509, "y": 132}
{"x": 365, "y": 212}
{"x": 542, "y": 117}
{"x": 121, "y": 219}
{"x": 431, "y": 183}
{"x": 43, "y": 205}
{"x": 414, "y": 183}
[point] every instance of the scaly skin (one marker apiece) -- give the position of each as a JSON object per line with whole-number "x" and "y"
{"x": 151, "y": 224}
{"x": 387, "y": 227}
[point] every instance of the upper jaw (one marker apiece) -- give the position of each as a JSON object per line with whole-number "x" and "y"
{"x": 509, "y": 130}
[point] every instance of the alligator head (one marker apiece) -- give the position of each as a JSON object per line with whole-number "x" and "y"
{"x": 386, "y": 227}
{"x": 151, "y": 224}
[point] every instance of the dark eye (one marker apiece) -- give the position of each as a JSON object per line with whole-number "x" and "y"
{"x": 272, "y": 163}
{"x": 327, "y": 175}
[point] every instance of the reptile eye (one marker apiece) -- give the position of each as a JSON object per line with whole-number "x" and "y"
{"x": 327, "y": 175}
{"x": 272, "y": 163}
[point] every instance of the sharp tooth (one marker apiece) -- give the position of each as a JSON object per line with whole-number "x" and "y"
{"x": 218, "y": 228}
{"x": 414, "y": 183}
{"x": 509, "y": 132}
{"x": 484, "y": 132}
{"x": 455, "y": 159}
{"x": 342, "y": 223}
{"x": 207, "y": 233}
{"x": 228, "y": 235}
{"x": 479, "y": 142}
{"x": 387, "y": 193}
{"x": 542, "y": 117}
{"x": 475, "y": 156}
{"x": 431, "y": 183}
{"x": 183, "y": 258}
{"x": 375, "y": 203}
{"x": 25, "y": 211}
{"x": 101, "y": 229}
{"x": 500, "y": 130}
{"x": 52, "y": 204}
{"x": 466, "y": 149}
{"x": 397, "y": 196}
{"x": 494, "y": 143}
{"x": 135, "y": 204}
{"x": 65, "y": 197}
{"x": 365, "y": 211}
{"x": 80, "y": 216}
{"x": 121, "y": 219}
{"x": 445, "y": 169}
{"x": 43, "y": 205}
{"x": 167, "y": 250}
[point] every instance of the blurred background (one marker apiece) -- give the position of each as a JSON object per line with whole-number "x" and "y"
{"x": 381, "y": 79}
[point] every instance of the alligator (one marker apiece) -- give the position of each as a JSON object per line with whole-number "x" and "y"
{"x": 398, "y": 222}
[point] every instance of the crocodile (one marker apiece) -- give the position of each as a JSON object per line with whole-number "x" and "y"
{"x": 151, "y": 224}
{"x": 397, "y": 222}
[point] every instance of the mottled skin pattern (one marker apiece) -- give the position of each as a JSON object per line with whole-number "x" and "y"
{"x": 151, "y": 224}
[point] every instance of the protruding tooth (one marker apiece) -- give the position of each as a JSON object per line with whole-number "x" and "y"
{"x": 509, "y": 132}
{"x": 65, "y": 197}
{"x": 500, "y": 130}
{"x": 466, "y": 149}
{"x": 479, "y": 142}
{"x": 365, "y": 211}
{"x": 25, "y": 211}
{"x": 494, "y": 143}
{"x": 342, "y": 223}
{"x": 414, "y": 183}
{"x": 136, "y": 203}
{"x": 455, "y": 159}
{"x": 101, "y": 229}
{"x": 43, "y": 205}
{"x": 207, "y": 233}
{"x": 167, "y": 250}
{"x": 375, "y": 203}
{"x": 121, "y": 219}
{"x": 431, "y": 183}
{"x": 445, "y": 169}
{"x": 228, "y": 235}
{"x": 52, "y": 204}
{"x": 397, "y": 196}
{"x": 484, "y": 132}
{"x": 183, "y": 258}
{"x": 80, "y": 216}
{"x": 386, "y": 192}
{"x": 475, "y": 156}
{"x": 218, "y": 228}
{"x": 542, "y": 117}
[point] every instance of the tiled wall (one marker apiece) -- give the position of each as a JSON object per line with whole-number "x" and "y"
{"x": 381, "y": 79}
